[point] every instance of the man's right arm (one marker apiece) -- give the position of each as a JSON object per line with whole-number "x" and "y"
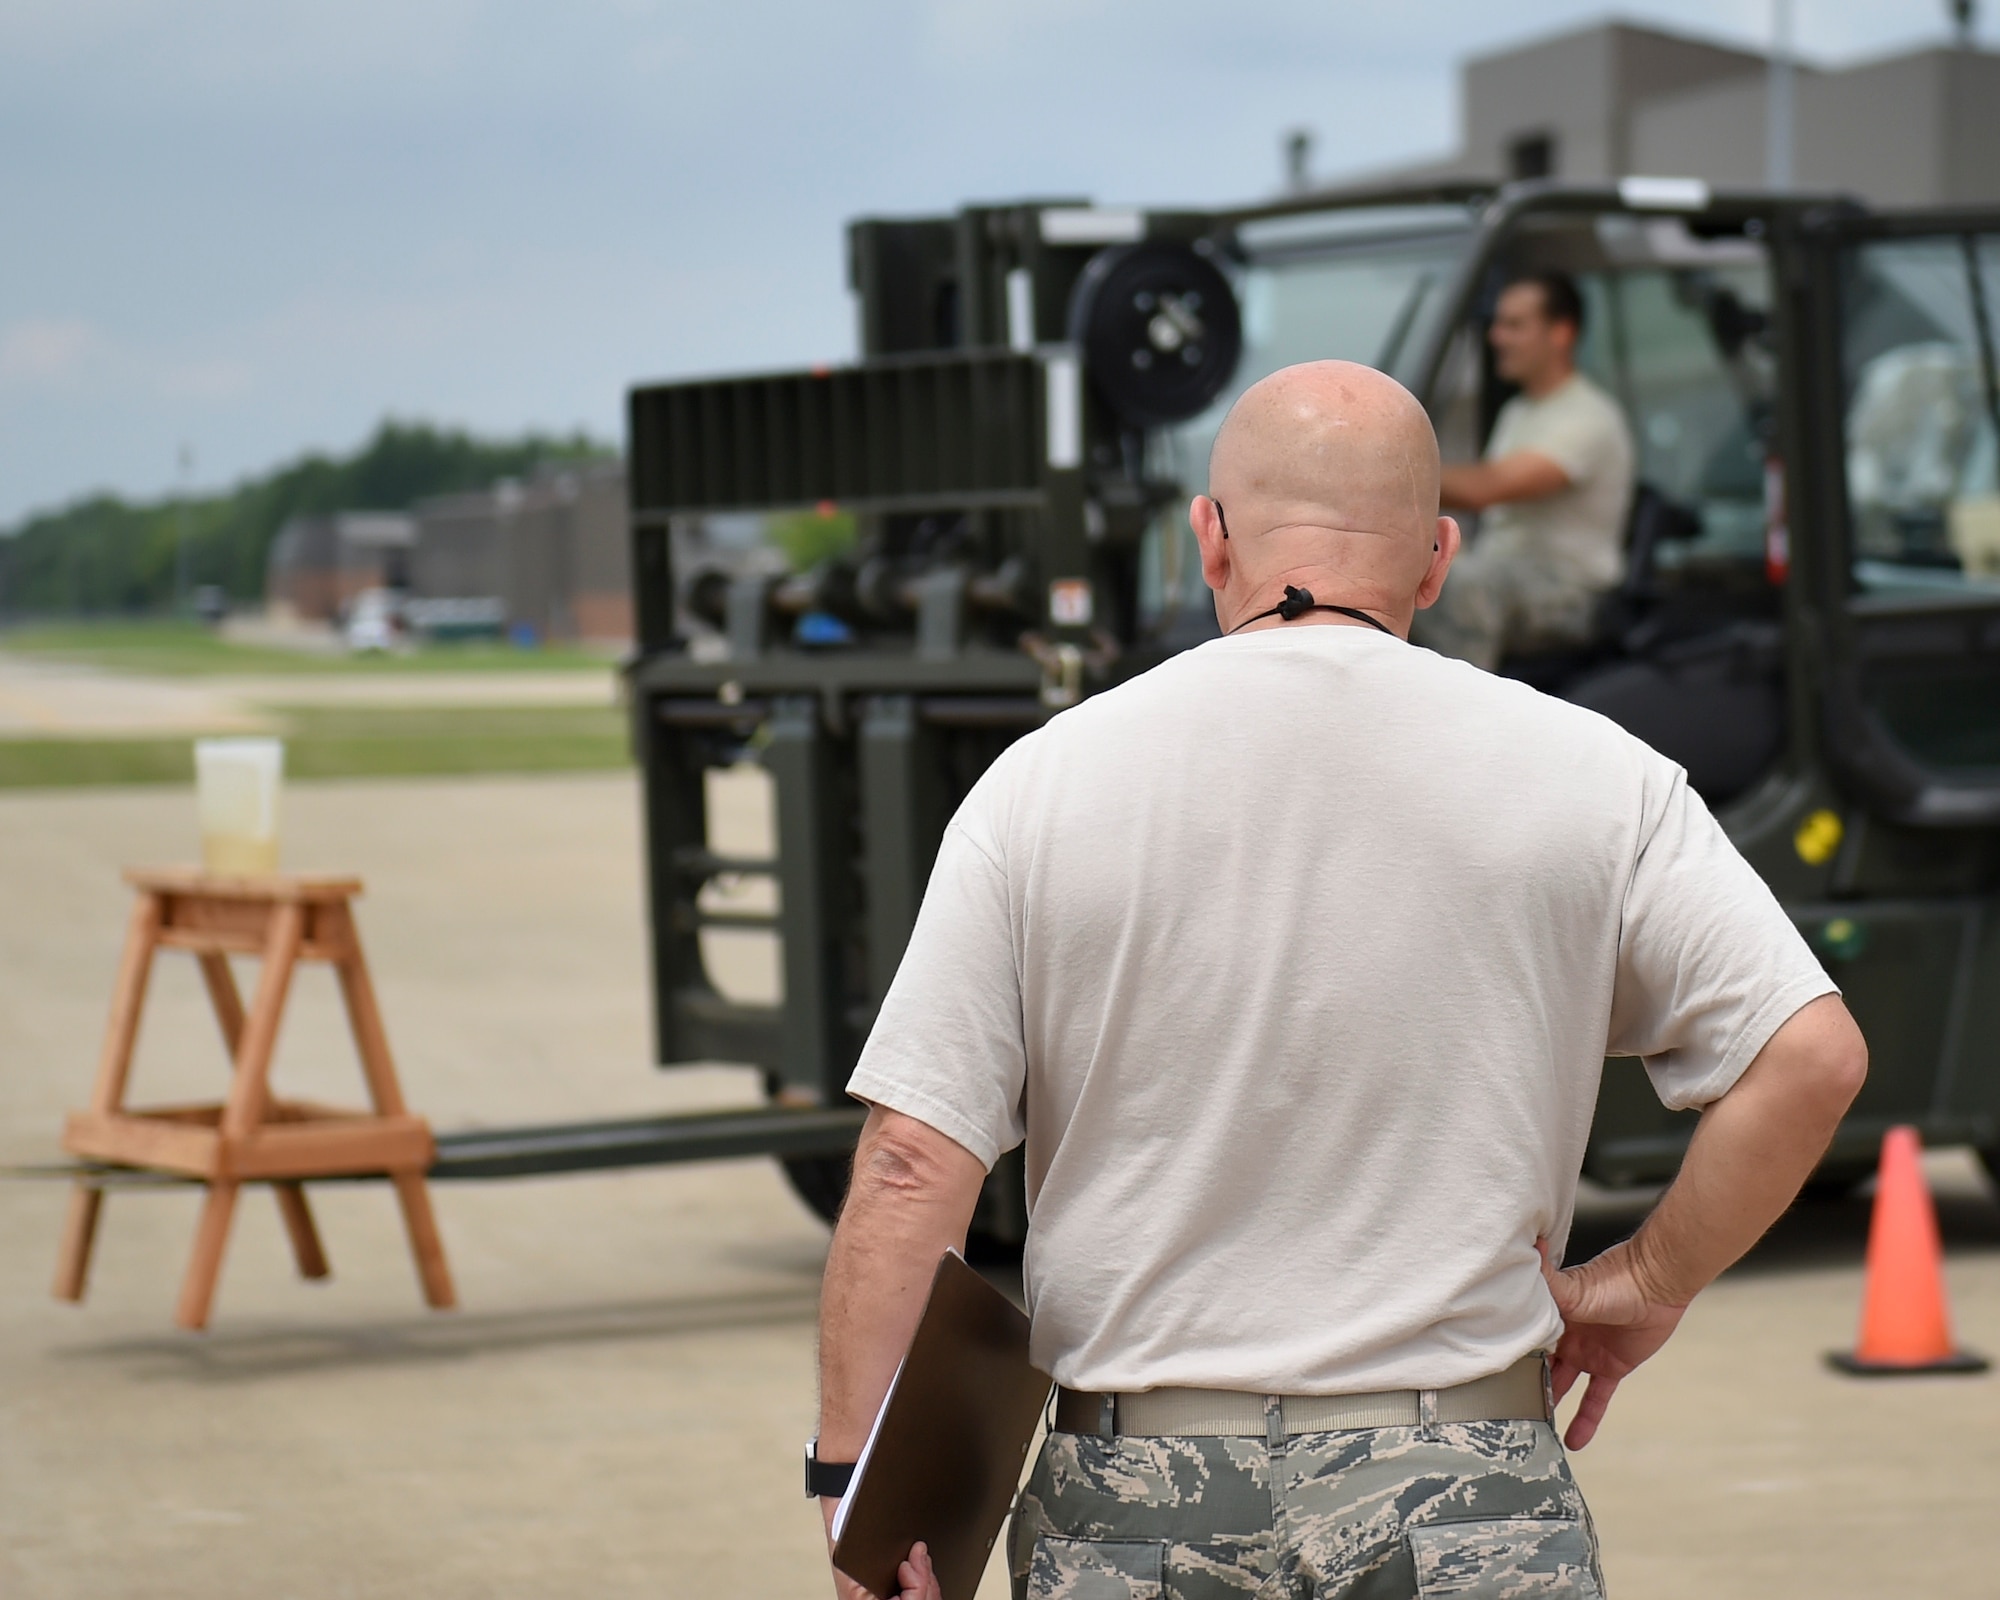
{"x": 1521, "y": 475}
{"x": 1751, "y": 1154}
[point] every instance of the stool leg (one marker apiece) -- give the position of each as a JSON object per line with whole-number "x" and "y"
{"x": 425, "y": 1244}
{"x": 79, "y": 1233}
{"x": 205, "y": 1266}
{"x": 306, "y": 1248}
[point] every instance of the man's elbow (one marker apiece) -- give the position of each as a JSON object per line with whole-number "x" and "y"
{"x": 901, "y": 1161}
{"x": 1834, "y": 1066}
{"x": 1474, "y": 500}
{"x": 1464, "y": 488}
{"x": 1845, "y": 1068}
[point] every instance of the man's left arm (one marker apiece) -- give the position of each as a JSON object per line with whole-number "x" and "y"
{"x": 910, "y": 1200}
{"x": 944, "y": 1071}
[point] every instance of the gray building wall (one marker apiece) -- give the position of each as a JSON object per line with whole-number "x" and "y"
{"x": 1971, "y": 125}
{"x": 552, "y": 550}
{"x": 1922, "y": 128}
{"x": 1579, "y": 88}
{"x": 1715, "y": 132}
{"x": 460, "y": 552}
{"x": 1912, "y": 130}
{"x": 317, "y": 564}
{"x": 601, "y": 555}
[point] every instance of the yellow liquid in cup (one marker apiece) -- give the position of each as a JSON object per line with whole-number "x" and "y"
{"x": 236, "y": 855}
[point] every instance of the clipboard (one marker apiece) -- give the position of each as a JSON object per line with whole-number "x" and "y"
{"x": 945, "y": 1455}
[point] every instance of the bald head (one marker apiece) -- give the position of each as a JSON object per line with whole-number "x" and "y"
{"x": 1328, "y": 469}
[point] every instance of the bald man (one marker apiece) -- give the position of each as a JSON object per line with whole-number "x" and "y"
{"x": 1295, "y": 962}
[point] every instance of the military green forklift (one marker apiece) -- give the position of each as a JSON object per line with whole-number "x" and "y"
{"x": 1810, "y": 620}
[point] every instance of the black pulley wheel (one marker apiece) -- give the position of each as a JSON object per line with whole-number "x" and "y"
{"x": 1159, "y": 330}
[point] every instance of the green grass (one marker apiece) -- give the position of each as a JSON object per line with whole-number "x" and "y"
{"x": 75, "y": 763}
{"x": 350, "y": 743}
{"x": 187, "y": 649}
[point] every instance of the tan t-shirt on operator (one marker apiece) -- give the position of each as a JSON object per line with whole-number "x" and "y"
{"x": 1578, "y": 533}
{"x": 1295, "y": 961}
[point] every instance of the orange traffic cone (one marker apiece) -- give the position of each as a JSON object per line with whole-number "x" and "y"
{"x": 1905, "y": 1322}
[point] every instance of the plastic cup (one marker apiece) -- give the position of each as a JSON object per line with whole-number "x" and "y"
{"x": 236, "y": 793}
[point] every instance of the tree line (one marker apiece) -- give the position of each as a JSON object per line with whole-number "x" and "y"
{"x": 107, "y": 555}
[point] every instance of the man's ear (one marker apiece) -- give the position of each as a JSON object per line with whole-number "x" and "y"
{"x": 1445, "y": 541}
{"x": 1208, "y": 534}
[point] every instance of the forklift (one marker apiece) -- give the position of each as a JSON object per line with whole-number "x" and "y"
{"x": 1809, "y": 622}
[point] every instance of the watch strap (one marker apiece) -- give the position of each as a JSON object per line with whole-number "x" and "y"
{"x": 826, "y": 1479}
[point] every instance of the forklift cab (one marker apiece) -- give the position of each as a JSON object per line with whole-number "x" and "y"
{"x": 1678, "y": 329}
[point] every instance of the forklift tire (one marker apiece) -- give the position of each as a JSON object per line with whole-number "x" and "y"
{"x": 820, "y": 1181}
{"x": 1829, "y": 1188}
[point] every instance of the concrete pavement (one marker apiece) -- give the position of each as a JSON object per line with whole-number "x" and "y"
{"x": 618, "y": 1409}
{"x": 60, "y": 699}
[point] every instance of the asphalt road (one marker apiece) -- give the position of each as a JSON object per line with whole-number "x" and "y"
{"x": 617, "y": 1410}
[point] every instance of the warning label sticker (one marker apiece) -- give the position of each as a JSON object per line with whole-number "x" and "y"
{"x": 1070, "y": 603}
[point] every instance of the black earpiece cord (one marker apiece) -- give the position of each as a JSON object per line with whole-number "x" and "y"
{"x": 1298, "y": 602}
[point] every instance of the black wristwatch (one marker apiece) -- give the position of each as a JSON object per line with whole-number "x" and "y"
{"x": 825, "y": 1479}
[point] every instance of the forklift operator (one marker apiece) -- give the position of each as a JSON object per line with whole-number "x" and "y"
{"x": 1295, "y": 961}
{"x": 1554, "y": 490}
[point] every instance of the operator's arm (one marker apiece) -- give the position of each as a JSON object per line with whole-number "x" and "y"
{"x": 1752, "y": 1152}
{"x": 1522, "y": 475}
{"x": 910, "y": 1200}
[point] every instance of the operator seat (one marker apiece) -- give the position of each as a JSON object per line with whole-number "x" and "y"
{"x": 1624, "y": 613}
{"x": 1711, "y": 700}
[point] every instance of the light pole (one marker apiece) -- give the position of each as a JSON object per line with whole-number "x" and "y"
{"x": 1778, "y": 122}
{"x": 181, "y": 533}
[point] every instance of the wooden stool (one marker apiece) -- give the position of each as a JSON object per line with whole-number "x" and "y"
{"x": 251, "y": 1137}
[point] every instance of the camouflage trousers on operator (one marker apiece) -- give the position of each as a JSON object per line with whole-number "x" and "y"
{"x": 1477, "y": 1509}
{"x": 1495, "y": 601}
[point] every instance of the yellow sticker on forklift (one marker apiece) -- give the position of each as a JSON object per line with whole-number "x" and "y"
{"x": 1817, "y": 838}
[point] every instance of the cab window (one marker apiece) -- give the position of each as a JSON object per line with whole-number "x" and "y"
{"x": 1686, "y": 351}
{"x": 1922, "y": 404}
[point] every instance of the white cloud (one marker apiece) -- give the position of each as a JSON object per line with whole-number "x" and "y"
{"x": 47, "y": 350}
{"x": 76, "y": 357}
{"x": 220, "y": 379}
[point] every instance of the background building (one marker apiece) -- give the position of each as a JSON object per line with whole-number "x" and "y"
{"x": 550, "y": 553}
{"x": 318, "y": 564}
{"x": 1595, "y": 104}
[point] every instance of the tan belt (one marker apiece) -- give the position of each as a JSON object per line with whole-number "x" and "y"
{"x": 1520, "y": 1394}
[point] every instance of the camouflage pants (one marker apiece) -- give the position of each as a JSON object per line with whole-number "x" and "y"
{"x": 1494, "y": 601}
{"x": 1480, "y": 1509}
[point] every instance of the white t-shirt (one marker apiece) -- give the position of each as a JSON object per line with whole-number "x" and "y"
{"x": 1576, "y": 533}
{"x": 1295, "y": 961}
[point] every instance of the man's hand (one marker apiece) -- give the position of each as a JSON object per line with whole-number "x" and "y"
{"x": 1750, "y": 1153}
{"x": 1611, "y": 1323}
{"x": 915, "y": 1579}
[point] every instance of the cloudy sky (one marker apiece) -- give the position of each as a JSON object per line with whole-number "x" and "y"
{"x": 253, "y": 227}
